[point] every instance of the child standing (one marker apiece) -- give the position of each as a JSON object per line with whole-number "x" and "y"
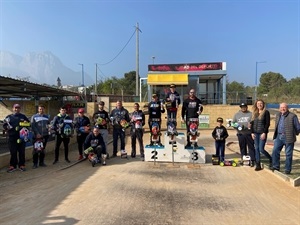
{"x": 220, "y": 134}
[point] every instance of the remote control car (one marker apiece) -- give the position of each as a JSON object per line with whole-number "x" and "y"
{"x": 233, "y": 162}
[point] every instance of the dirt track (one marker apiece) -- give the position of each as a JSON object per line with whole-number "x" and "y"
{"x": 136, "y": 192}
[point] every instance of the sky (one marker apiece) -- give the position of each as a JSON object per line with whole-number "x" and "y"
{"x": 238, "y": 32}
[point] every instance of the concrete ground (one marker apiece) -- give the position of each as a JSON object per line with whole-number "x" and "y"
{"x": 135, "y": 192}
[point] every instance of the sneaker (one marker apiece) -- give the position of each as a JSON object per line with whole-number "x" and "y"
{"x": 11, "y": 169}
{"x": 160, "y": 144}
{"x": 80, "y": 157}
{"x": 22, "y": 168}
{"x": 188, "y": 146}
{"x": 55, "y": 161}
{"x": 103, "y": 163}
{"x": 258, "y": 168}
{"x": 68, "y": 161}
{"x": 273, "y": 169}
{"x": 132, "y": 155}
{"x": 34, "y": 166}
{"x": 42, "y": 165}
{"x": 196, "y": 145}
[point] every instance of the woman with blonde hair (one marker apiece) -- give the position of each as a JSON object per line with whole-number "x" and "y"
{"x": 260, "y": 123}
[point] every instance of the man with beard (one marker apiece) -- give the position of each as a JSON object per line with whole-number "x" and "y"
{"x": 191, "y": 108}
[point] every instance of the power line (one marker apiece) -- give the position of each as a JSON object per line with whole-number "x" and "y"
{"x": 102, "y": 64}
{"x": 102, "y": 73}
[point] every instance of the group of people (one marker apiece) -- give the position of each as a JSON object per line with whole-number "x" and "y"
{"x": 252, "y": 133}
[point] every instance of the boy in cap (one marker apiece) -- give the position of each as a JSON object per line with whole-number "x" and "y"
{"x": 155, "y": 109}
{"x": 243, "y": 118}
{"x": 172, "y": 102}
{"x": 220, "y": 134}
{"x": 11, "y": 122}
{"x": 82, "y": 127}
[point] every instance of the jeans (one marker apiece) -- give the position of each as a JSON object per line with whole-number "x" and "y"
{"x": 104, "y": 133}
{"x": 172, "y": 115}
{"x": 260, "y": 147}
{"x": 220, "y": 150}
{"x": 118, "y": 132}
{"x": 279, "y": 142}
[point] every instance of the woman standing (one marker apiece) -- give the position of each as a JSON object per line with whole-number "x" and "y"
{"x": 260, "y": 124}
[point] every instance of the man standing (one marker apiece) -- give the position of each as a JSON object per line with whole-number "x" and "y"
{"x": 243, "y": 118}
{"x": 191, "y": 109}
{"x": 155, "y": 109}
{"x": 39, "y": 125}
{"x": 11, "y": 124}
{"x": 62, "y": 124}
{"x": 286, "y": 128}
{"x": 172, "y": 103}
{"x": 119, "y": 117}
{"x": 137, "y": 123}
{"x": 82, "y": 127}
{"x": 101, "y": 120}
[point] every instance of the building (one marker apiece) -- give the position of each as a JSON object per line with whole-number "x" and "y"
{"x": 208, "y": 79}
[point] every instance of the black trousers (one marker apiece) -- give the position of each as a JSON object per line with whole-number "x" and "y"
{"x": 80, "y": 140}
{"x": 246, "y": 143}
{"x": 40, "y": 155}
{"x": 137, "y": 134}
{"x": 66, "y": 142}
{"x": 17, "y": 152}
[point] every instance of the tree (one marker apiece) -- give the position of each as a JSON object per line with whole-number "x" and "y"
{"x": 129, "y": 83}
{"x": 235, "y": 91}
{"x": 270, "y": 81}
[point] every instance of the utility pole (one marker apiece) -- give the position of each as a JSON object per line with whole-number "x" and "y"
{"x": 82, "y": 75}
{"x": 96, "y": 83}
{"x": 137, "y": 60}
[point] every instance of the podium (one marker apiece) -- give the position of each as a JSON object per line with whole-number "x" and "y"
{"x": 164, "y": 154}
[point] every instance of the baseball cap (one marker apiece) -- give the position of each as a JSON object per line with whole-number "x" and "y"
{"x": 172, "y": 86}
{"x": 16, "y": 106}
{"x": 101, "y": 103}
{"x": 81, "y": 110}
{"x": 154, "y": 95}
{"x": 243, "y": 104}
{"x": 220, "y": 119}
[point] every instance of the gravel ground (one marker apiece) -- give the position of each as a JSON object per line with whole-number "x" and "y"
{"x": 129, "y": 191}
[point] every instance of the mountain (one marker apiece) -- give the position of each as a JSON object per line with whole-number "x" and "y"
{"x": 40, "y": 68}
